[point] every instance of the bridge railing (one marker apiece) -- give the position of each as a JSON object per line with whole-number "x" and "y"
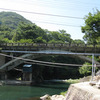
{"x": 49, "y": 44}
{"x": 54, "y": 46}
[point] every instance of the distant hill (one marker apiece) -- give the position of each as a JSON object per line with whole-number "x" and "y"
{"x": 12, "y": 19}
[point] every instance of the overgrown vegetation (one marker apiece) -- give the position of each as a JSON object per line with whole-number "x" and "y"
{"x": 92, "y": 28}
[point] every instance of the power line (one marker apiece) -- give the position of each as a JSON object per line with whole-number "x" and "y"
{"x": 63, "y": 3}
{"x": 46, "y": 14}
{"x": 56, "y": 23}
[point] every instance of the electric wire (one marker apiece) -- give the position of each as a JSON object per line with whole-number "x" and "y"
{"x": 56, "y": 3}
{"x": 50, "y": 15}
{"x": 57, "y": 24}
{"x": 47, "y": 14}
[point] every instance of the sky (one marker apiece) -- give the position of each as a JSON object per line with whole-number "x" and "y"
{"x": 54, "y": 15}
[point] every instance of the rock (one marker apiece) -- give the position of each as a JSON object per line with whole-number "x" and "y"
{"x": 82, "y": 91}
{"x": 45, "y": 97}
{"x": 53, "y": 97}
{"x": 1, "y": 83}
{"x": 98, "y": 73}
{"x": 98, "y": 84}
{"x": 92, "y": 83}
{"x": 96, "y": 97}
{"x": 96, "y": 78}
{"x": 57, "y": 97}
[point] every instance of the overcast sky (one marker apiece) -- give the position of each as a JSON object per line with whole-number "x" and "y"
{"x": 69, "y": 13}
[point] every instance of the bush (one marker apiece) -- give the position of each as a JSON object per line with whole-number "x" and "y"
{"x": 86, "y": 69}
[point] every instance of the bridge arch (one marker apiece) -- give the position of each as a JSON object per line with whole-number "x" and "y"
{"x": 35, "y": 54}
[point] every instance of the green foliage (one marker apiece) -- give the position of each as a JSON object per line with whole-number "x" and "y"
{"x": 6, "y": 40}
{"x": 53, "y": 41}
{"x": 85, "y": 69}
{"x": 25, "y": 41}
{"x": 78, "y": 41}
{"x": 63, "y": 93}
{"x": 11, "y": 19}
{"x": 92, "y": 27}
{"x": 58, "y": 36}
{"x": 29, "y": 31}
{"x": 15, "y": 28}
{"x": 40, "y": 40}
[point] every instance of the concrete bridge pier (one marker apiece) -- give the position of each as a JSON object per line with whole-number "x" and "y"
{"x": 3, "y": 75}
{"x": 2, "y": 60}
{"x": 27, "y": 76}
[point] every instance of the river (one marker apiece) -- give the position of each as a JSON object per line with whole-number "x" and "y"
{"x": 8, "y": 92}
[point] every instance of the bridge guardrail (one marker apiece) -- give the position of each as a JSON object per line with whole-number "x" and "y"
{"x": 49, "y": 44}
{"x": 44, "y": 46}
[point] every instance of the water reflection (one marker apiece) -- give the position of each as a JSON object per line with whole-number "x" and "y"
{"x": 35, "y": 98}
{"x": 31, "y": 92}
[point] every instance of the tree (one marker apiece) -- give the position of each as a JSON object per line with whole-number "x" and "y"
{"x": 92, "y": 27}
{"x": 5, "y": 31}
{"x": 85, "y": 69}
{"x": 29, "y": 31}
{"x": 58, "y": 36}
{"x": 78, "y": 41}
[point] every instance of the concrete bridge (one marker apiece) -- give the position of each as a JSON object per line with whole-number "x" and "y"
{"x": 32, "y": 51}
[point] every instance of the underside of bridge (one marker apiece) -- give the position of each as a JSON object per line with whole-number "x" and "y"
{"x": 13, "y": 69}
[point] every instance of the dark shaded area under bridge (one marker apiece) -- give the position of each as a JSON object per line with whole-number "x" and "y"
{"x": 35, "y": 54}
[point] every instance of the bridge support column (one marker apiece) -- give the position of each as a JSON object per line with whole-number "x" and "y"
{"x": 30, "y": 76}
{"x": 3, "y": 76}
{"x": 2, "y": 60}
{"x": 93, "y": 68}
{"x": 27, "y": 76}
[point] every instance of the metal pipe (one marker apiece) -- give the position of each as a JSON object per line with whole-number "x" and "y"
{"x": 92, "y": 66}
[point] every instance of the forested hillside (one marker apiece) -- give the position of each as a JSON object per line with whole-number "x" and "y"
{"x": 11, "y": 19}
{"x": 15, "y": 28}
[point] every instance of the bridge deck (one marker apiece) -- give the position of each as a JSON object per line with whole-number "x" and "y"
{"x": 81, "y": 48}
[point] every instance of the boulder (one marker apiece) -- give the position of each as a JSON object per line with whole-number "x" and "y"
{"x": 98, "y": 73}
{"x": 53, "y": 97}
